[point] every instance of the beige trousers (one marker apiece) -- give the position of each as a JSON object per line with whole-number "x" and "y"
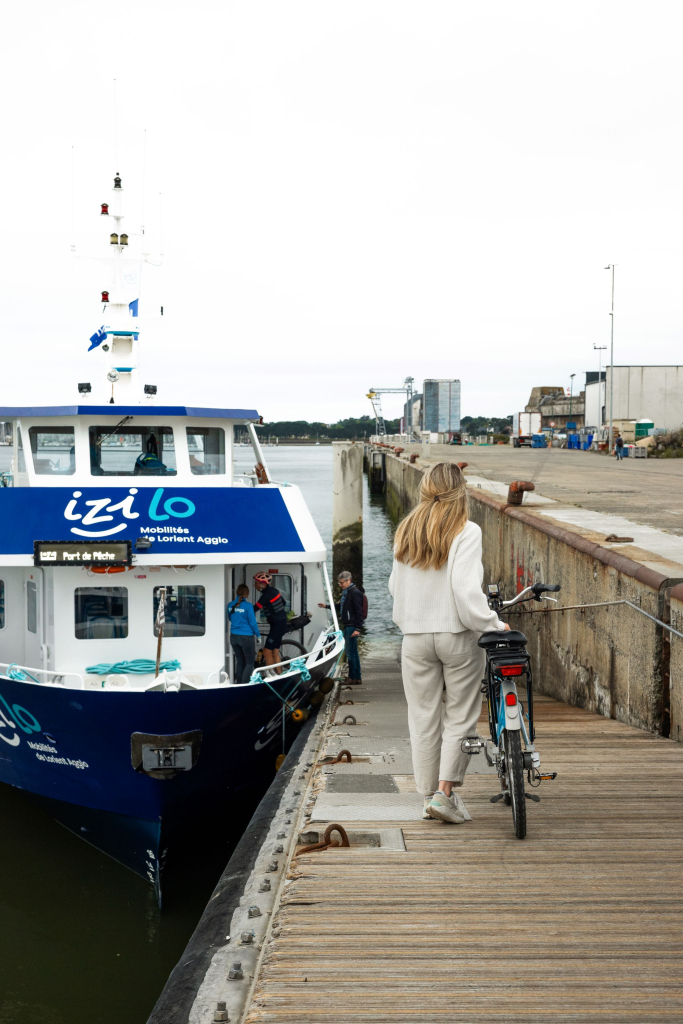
{"x": 430, "y": 661}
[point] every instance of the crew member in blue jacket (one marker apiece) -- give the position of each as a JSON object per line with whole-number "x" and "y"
{"x": 243, "y": 632}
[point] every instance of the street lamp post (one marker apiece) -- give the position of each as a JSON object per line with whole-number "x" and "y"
{"x": 571, "y": 394}
{"x": 610, "y": 266}
{"x": 600, "y": 349}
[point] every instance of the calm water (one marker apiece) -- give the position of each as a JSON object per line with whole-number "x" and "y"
{"x": 81, "y": 938}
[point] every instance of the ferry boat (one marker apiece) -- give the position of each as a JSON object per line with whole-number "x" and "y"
{"x": 126, "y": 529}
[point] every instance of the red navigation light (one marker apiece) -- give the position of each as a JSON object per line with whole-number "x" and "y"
{"x": 104, "y": 212}
{"x": 105, "y": 296}
{"x": 512, "y": 670}
{"x": 510, "y": 699}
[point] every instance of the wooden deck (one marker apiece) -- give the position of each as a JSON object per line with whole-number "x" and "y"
{"x": 580, "y": 922}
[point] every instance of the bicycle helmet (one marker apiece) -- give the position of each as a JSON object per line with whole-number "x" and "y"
{"x": 263, "y": 577}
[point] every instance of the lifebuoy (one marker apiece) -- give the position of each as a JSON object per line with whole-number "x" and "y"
{"x": 110, "y": 568}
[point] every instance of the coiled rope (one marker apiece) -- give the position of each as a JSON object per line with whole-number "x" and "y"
{"x": 137, "y": 667}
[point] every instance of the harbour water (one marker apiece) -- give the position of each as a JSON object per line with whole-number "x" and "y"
{"x": 81, "y": 937}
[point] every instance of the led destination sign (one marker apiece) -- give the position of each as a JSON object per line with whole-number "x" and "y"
{"x": 57, "y": 552}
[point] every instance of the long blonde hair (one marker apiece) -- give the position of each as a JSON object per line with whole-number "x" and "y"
{"x": 424, "y": 537}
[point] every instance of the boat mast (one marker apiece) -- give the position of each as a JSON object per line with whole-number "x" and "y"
{"x": 121, "y": 347}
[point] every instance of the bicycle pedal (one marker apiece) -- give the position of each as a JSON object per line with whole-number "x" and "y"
{"x": 547, "y": 777}
{"x": 496, "y": 798}
{"x": 472, "y": 745}
{"x": 533, "y": 796}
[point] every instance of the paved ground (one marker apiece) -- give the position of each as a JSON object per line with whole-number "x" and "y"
{"x": 648, "y": 491}
{"x": 580, "y": 923}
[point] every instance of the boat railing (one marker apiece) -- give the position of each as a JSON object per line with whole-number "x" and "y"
{"x": 329, "y": 644}
{"x": 42, "y": 676}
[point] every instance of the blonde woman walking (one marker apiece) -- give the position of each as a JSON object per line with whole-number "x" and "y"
{"x": 439, "y": 606}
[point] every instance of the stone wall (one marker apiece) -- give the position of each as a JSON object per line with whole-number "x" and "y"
{"x": 610, "y": 660}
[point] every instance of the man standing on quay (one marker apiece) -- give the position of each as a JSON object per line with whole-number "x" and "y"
{"x": 351, "y": 619}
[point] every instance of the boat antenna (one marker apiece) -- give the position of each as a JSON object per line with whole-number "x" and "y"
{"x": 73, "y": 201}
{"x": 144, "y": 171}
{"x": 116, "y": 131}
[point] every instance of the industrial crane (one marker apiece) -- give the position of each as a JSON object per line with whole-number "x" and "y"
{"x": 374, "y": 396}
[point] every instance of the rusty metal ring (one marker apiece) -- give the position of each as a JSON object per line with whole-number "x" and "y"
{"x": 341, "y": 754}
{"x": 352, "y": 718}
{"x": 327, "y": 840}
{"x": 348, "y": 702}
{"x": 336, "y": 828}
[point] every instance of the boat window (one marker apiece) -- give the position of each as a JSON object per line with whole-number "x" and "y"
{"x": 185, "y": 611}
{"x": 21, "y": 461}
{"x": 2, "y": 604}
{"x": 132, "y": 451}
{"x": 31, "y": 607}
{"x": 101, "y": 613}
{"x": 284, "y": 585}
{"x": 206, "y": 446}
{"x": 53, "y": 450}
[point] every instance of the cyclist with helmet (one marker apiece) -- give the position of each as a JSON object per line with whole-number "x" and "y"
{"x": 272, "y": 604}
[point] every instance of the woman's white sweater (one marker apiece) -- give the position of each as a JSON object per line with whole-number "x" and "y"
{"x": 445, "y": 600}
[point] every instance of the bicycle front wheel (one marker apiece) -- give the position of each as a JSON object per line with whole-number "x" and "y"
{"x": 514, "y": 776}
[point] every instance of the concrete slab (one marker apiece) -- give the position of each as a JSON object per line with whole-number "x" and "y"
{"x": 667, "y": 545}
{"x": 370, "y": 807}
{"x": 365, "y": 783}
{"x": 501, "y": 491}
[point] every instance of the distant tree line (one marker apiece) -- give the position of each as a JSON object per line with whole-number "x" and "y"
{"x": 481, "y": 424}
{"x": 364, "y": 426}
{"x": 348, "y": 429}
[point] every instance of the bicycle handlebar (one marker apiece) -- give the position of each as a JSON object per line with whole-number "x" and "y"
{"x": 535, "y": 591}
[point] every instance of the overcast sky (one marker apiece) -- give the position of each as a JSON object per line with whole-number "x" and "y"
{"x": 352, "y": 192}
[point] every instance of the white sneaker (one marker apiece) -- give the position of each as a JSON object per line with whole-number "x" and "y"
{"x": 427, "y": 801}
{"x": 445, "y": 808}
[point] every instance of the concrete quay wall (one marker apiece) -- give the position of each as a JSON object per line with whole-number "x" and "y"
{"x": 611, "y": 660}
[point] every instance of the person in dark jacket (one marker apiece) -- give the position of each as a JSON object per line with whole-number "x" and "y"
{"x": 619, "y": 447}
{"x": 351, "y": 620}
{"x": 272, "y": 604}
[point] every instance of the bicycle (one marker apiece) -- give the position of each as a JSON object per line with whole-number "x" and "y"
{"x": 507, "y": 660}
{"x": 288, "y": 648}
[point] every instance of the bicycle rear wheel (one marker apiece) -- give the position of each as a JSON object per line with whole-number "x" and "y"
{"x": 291, "y": 649}
{"x": 514, "y": 776}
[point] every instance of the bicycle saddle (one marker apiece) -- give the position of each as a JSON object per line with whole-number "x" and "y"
{"x": 511, "y": 637}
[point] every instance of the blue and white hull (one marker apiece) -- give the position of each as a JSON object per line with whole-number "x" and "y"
{"x": 80, "y": 750}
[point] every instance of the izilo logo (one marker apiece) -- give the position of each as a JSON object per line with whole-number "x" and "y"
{"x": 179, "y": 508}
{"x": 10, "y": 717}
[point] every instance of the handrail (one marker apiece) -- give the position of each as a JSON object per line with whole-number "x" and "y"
{"x": 6, "y": 665}
{"x": 599, "y": 604}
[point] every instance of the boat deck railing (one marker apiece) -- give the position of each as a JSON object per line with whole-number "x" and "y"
{"x": 328, "y": 646}
{"x": 27, "y": 674}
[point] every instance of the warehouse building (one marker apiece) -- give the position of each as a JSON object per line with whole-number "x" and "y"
{"x": 640, "y": 392}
